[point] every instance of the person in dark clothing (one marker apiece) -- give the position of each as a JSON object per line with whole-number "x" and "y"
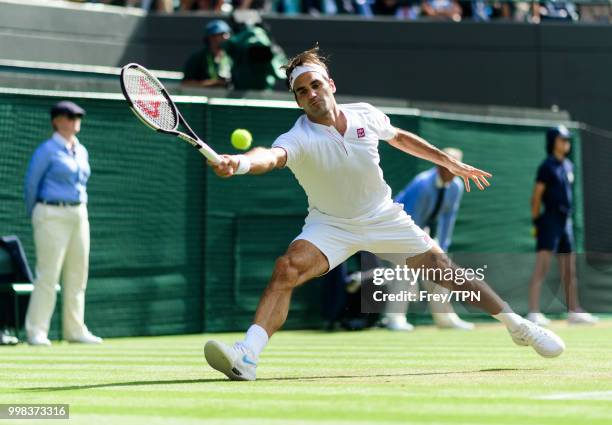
{"x": 553, "y": 226}
{"x": 210, "y": 66}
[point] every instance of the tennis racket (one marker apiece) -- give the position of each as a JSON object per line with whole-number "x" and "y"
{"x": 151, "y": 103}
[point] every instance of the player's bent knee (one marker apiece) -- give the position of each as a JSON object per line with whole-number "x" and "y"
{"x": 285, "y": 274}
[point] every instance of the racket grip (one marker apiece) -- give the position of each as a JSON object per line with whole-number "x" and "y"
{"x": 210, "y": 154}
{"x": 202, "y": 147}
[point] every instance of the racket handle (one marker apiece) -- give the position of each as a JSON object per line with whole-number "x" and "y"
{"x": 210, "y": 154}
{"x": 202, "y": 147}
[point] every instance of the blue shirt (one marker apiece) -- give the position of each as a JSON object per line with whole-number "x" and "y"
{"x": 558, "y": 177}
{"x": 419, "y": 198}
{"x": 440, "y": 4}
{"x": 56, "y": 173}
{"x": 560, "y": 9}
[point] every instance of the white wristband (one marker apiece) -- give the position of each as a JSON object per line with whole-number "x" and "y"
{"x": 244, "y": 164}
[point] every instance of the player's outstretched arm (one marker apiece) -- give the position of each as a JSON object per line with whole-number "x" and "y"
{"x": 419, "y": 147}
{"x": 256, "y": 161}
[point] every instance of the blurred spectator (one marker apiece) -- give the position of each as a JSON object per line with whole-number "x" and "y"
{"x": 311, "y": 7}
{"x": 261, "y": 5}
{"x": 211, "y": 66}
{"x": 524, "y": 12}
{"x": 288, "y": 7}
{"x": 109, "y": 2}
{"x": 385, "y": 7}
{"x": 442, "y": 9}
{"x": 476, "y": 10}
{"x": 409, "y": 9}
{"x": 481, "y": 10}
{"x": 456, "y": 10}
{"x": 363, "y": 8}
{"x": 335, "y": 7}
{"x": 558, "y": 10}
{"x": 485, "y": 10}
{"x": 153, "y": 5}
{"x": 502, "y": 10}
{"x": 599, "y": 13}
{"x": 191, "y": 5}
{"x": 256, "y": 60}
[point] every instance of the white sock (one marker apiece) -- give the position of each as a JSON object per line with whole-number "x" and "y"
{"x": 256, "y": 339}
{"x": 509, "y": 318}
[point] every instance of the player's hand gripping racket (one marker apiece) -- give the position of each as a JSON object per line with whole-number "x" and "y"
{"x": 150, "y": 101}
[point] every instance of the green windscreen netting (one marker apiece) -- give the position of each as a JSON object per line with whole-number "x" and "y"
{"x": 175, "y": 249}
{"x": 145, "y": 207}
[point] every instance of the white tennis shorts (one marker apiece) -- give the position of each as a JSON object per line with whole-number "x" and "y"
{"x": 388, "y": 231}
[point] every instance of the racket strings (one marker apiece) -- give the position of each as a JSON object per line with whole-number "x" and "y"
{"x": 148, "y": 99}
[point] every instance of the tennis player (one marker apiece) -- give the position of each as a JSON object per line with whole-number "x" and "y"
{"x": 333, "y": 152}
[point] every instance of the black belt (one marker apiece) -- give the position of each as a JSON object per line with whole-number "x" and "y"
{"x": 60, "y": 203}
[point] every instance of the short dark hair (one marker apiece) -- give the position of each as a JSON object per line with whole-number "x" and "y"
{"x": 307, "y": 56}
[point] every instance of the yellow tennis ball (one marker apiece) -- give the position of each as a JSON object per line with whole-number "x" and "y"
{"x": 241, "y": 139}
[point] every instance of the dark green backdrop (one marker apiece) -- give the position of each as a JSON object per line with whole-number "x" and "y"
{"x": 175, "y": 249}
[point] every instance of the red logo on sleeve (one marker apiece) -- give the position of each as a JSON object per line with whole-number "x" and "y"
{"x": 360, "y": 133}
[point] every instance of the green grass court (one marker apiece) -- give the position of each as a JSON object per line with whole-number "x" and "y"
{"x": 428, "y": 376}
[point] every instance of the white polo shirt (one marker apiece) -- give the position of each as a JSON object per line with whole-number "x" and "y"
{"x": 341, "y": 174}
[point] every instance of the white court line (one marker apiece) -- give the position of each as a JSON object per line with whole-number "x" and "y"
{"x": 592, "y": 395}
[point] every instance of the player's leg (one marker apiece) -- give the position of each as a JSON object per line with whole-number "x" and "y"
{"x": 302, "y": 262}
{"x": 318, "y": 248}
{"x": 398, "y": 233}
{"x": 523, "y": 332}
{"x": 394, "y": 237}
{"x": 436, "y": 259}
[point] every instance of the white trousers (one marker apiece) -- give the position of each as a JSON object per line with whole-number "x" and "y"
{"x": 61, "y": 237}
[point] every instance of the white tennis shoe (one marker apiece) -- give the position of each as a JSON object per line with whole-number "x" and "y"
{"x": 544, "y": 341}
{"x": 237, "y": 362}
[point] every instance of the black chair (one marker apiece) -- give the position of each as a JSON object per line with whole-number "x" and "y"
{"x": 16, "y": 282}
